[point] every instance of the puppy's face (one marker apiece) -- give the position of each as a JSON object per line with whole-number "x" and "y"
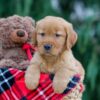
{"x": 52, "y": 36}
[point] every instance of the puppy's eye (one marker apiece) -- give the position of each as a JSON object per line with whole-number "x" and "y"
{"x": 42, "y": 34}
{"x": 57, "y": 35}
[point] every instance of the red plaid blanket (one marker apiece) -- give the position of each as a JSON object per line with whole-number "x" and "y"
{"x": 12, "y": 86}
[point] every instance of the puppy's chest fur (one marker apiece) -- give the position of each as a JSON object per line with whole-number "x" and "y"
{"x": 66, "y": 61}
{"x": 49, "y": 68}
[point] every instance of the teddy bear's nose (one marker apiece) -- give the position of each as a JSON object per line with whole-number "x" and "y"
{"x": 20, "y": 33}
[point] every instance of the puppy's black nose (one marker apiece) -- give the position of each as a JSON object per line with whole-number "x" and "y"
{"x": 20, "y": 33}
{"x": 47, "y": 47}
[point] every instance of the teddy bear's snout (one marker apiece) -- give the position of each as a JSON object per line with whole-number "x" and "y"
{"x": 20, "y": 33}
{"x": 19, "y": 36}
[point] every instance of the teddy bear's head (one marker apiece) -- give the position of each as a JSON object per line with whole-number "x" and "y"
{"x": 16, "y": 30}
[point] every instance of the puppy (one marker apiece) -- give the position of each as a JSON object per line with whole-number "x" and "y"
{"x": 54, "y": 39}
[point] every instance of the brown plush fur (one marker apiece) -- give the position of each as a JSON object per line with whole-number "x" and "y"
{"x": 59, "y": 60}
{"x": 11, "y": 53}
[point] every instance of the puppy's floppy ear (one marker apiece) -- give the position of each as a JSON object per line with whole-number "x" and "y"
{"x": 34, "y": 38}
{"x": 71, "y": 35}
{"x": 36, "y": 31}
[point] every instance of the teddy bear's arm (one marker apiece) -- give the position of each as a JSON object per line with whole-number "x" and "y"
{"x": 24, "y": 64}
{"x": 32, "y": 75}
{"x": 8, "y": 63}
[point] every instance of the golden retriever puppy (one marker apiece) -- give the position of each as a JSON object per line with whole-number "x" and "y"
{"x": 54, "y": 39}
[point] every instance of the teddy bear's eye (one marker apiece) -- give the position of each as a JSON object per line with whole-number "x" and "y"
{"x": 42, "y": 34}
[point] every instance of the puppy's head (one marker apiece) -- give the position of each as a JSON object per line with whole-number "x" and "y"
{"x": 54, "y": 35}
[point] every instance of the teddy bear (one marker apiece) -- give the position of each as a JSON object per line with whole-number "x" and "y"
{"x": 15, "y": 31}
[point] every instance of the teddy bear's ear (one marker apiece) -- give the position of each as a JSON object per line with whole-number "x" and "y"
{"x": 2, "y": 21}
{"x": 71, "y": 37}
{"x": 29, "y": 20}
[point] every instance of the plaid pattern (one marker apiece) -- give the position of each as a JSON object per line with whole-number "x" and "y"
{"x": 12, "y": 86}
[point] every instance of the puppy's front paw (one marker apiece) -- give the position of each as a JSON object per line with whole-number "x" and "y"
{"x": 59, "y": 86}
{"x": 31, "y": 82}
{"x": 60, "y": 82}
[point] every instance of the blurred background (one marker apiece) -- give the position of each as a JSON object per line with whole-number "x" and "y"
{"x": 85, "y": 17}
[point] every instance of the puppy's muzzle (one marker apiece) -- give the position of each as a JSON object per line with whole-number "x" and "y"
{"x": 47, "y": 47}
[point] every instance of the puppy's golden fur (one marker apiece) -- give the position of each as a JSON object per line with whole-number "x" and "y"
{"x": 59, "y": 59}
